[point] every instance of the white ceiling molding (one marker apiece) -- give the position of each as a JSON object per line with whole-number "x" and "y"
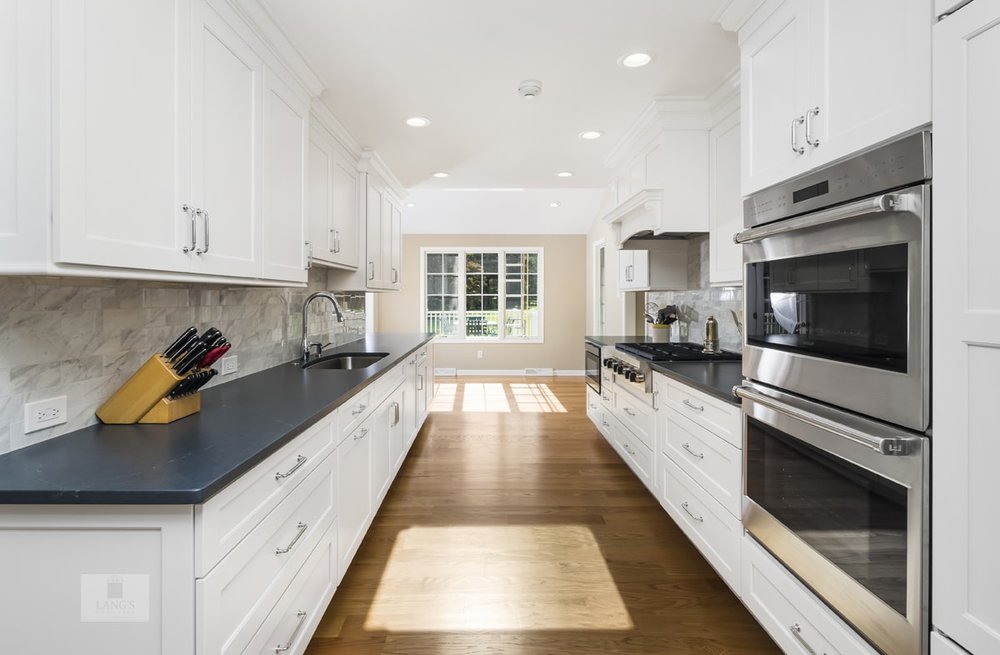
{"x": 733, "y": 15}
{"x": 370, "y": 161}
{"x": 260, "y": 21}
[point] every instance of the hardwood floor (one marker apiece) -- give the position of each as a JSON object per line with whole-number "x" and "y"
{"x": 513, "y": 528}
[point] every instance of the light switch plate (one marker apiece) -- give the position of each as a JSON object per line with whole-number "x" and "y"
{"x": 43, "y": 414}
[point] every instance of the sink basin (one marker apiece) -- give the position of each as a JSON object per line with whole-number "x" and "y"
{"x": 345, "y": 361}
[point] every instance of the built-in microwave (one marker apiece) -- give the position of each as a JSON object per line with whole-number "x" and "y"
{"x": 592, "y": 365}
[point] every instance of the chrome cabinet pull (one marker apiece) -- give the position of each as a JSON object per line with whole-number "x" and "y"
{"x": 605, "y": 423}
{"x": 697, "y": 408}
{"x": 395, "y": 414}
{"x": 301, "y": 527}
{"x": 420, "y": 383}
{"x": 189, "y": 210}
{"x": 207, "y": 230}
{"x": 809, "y": 116}
{"x": 796, "y": 631}
{"x": 301, "y": 614}
{"x": 593, "y": 406}
{"x": 796, "y": 148}
{"x": 371, "y": 270}
{"x": 629, "y": 411}
{"x": 309, "y": 255}
{"x": 699, "y": 519}
{"x": 687, "y": 446}
{"x": 361, "y": 435}
{"x": 362, "y": 407}
{"x": 395, "y": 276}
{"x": 299, "y": 461}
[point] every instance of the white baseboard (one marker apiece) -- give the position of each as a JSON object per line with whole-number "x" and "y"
{"x": 447, "y": 372}
{"x": 515, "y": 372}
{"x": 570, "y": 372}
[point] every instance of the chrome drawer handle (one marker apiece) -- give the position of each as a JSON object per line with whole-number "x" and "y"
{"x": 295, "y": 633}
{"x": 189, "y": 210}
{"x": 204, "y": 214}
{"x": 796, "y": 631}
{"x": 395, "y": 414}
{"x": 301, "y": 527}
{"x": 593, "y": 406}
{"x": 697, "y": 408}
{"x": 629, "y": 412}
{"x": 361, "y": 408}
{"x": 699, "y": 519}
{"x": 605, "y": 423}
{"x": 362, "y": 434}
{"x": 687, "y": 446}
{"x": 299, "y": 461}
{"x": 796, "y": 148}
{"x": 809, "y": 116}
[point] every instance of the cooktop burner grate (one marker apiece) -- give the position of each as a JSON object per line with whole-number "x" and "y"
{"x": 676, "y": 352}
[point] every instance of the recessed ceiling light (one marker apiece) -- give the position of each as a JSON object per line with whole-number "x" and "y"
{"x": 635, "y": 60}
{"x": 440, "y": 174}
{"x": 411, "y": 204}
{"x": 590, "y": 135}
{"x": 418, "y": 121}
{"x": 554, "y": 204}
{"x": 565, "y": 174}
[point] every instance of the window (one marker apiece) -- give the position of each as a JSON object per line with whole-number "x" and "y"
{"x": 483, "y": 293}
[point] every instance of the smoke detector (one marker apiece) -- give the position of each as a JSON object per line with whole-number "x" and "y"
{"x": 530, "y": 89}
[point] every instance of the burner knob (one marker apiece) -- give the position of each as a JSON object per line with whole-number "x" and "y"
{"x": 609, "y": 363}
{"x": 619, "y": 366}
{"x": 631, "y": 376}
{"x": 639, "y": 376}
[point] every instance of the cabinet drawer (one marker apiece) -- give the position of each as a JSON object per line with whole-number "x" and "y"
{"x": 638, "y": 457}
{"x": 353, "y": 412}
{"x": 791, "y": 614}
{"x": 710, "y": 461}
{"x": 385, "y": 385}
{"x": 593, "y": 404}
{"x": 231, "y": 514}
{"x": 236, "y": 596}
{"x": 716, "y": 416}
{"x": 713, "y": 530}
{"x": 636, "y": 415}
{"x": 293, "y": 620}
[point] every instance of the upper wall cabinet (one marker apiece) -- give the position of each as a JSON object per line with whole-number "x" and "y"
{"x": 725, "y": 258}
{"x": 334, "y": 208}
{"x": 822, "y": 79}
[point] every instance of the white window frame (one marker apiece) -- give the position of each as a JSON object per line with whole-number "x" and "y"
{"x": 502, "y": 251}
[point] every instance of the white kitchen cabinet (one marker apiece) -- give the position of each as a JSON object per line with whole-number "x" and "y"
{"x": 661, "y": 267}
{"x": 285, "y": 152}
{"x": 383, "y": 425}
{"x": 822, "y": 79}
{"x": 424, "y": 382}
{"x": 965, "y": 536}
{"x": 398, "y": 434}
{"x": 225, "y": 161}
{"x": 354, "y": 480}
{"x": 725, "y": 258}
{"x": 121, "y": 126}
{"x": 333, "y": 199}
{"x": 25, "y": 75}
{"x": 410, "y": 424}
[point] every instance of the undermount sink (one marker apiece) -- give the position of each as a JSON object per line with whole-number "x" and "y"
{"x": 345, "y": 361}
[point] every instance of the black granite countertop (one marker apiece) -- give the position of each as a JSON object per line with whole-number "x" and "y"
{"x": 610, "y": 341}
{"x": 714, "y": 378}
{"x": 190, "y": 460}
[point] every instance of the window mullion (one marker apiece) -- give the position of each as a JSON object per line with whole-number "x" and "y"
{"x": 502, "y": 295}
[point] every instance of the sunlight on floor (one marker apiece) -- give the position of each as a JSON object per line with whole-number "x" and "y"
{"x": 485, "y": 398}
{"x": 466, "y": 578}
{"x": 498, "y": 397}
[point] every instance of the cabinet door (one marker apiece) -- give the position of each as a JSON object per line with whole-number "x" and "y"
{"x": 373, "y": 231}
{"x": 319, "y": 198}
{"x": 396, "y": 248}
{"x": 386, "y": 243}
{"x": 422, "y": 392}
{"x": 286, "y": 135}
{"x": 354, "y": 497}
{"x": 346, "y": 215}
{"x": 410, "y": 423}
{"x": 381, "y": 438}
{"x": 870, "y": 78}
{"x": 965, "y": 534}
{"x": 225, "y": 167}
{"x": 725, "y": 259}
{"x": 25, "y": 75}
{"x": 398, "y": 441}
{"x": 640, "y": 269}
{"x": 625, "y": 266}
{"x": 774, "y": 93}
{"x": 120, "y": 128}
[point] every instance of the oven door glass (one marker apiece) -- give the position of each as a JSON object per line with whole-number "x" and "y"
{"x": 850, "y": 306}
{"x": 853, "y": 517}
{"x": 593, "y": 364}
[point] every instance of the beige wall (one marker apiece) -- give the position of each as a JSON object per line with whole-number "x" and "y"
{"x": 563, "y": 300}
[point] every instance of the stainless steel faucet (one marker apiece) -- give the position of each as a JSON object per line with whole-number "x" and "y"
{"x": 306, "y": 346}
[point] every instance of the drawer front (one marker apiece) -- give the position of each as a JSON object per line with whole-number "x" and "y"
{"x": 290, "y": 625}
{"x": 593, "y": 404}
{"x": 713, "y": 463}
{"x": 237, "y": 595}
{"x": 637, "y": 416}
{"x": 713, "y": 530}
{"x": 639, "y": 458}
{"x": 385, "y": 385}
{"x": 354, "y": 475}
{"x": 231, "y": 514}
{"x": 716, "y": 416}
{"x": 607, "y": 396}
{"x": 353, "y": 412}
{"x": 791, "y": 614}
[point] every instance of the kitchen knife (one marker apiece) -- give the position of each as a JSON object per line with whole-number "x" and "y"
{"x": 191, "y": 358}
{"x": 184, "y": 348}
{"x": 213, "y": 356}
{"x": 175, "y": 346}
{"x": 203, "y": 380}
{"x": 211, "y": 335}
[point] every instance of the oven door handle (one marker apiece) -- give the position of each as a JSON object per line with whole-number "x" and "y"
{"x": 887, "y": 202}
{"x": 892, "y": 445}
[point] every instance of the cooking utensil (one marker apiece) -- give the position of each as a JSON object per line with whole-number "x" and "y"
{"x": 213, "y": 355}
{"x": 210, "y": 336}
{"x": 173, "y": 348}
{"x": 184, "y": 348}
{"x": 666, "y": 315}
{"x": 191, "y": 358}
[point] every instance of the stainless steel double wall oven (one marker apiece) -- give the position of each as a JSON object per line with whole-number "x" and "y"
{"x": 836, "y": 357}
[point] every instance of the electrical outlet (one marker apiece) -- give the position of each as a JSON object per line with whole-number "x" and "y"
{"x": 228, "y": 365}
{"x": 43, "y": 414}
{"x": 479, "y": 354}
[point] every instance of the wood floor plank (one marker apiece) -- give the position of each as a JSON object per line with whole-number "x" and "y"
{"x": 521, "y": 532}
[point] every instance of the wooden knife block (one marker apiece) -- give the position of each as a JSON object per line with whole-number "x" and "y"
{"x": 142, "y": 399}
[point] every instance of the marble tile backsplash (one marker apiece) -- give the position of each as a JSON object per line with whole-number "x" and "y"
{"x": 701, "y": 300}
{"x": 83, "y": 337}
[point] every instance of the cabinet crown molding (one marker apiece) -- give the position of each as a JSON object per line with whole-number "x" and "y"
{"x": 325, "y": 119}
{"x": 372, "y": 162}
{"x": 732, "y": 15}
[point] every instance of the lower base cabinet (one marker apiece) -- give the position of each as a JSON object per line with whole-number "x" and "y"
{"x": 354, "y": 478}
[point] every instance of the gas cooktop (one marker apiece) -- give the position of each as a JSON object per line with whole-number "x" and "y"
{"x": 676, "y": 352}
